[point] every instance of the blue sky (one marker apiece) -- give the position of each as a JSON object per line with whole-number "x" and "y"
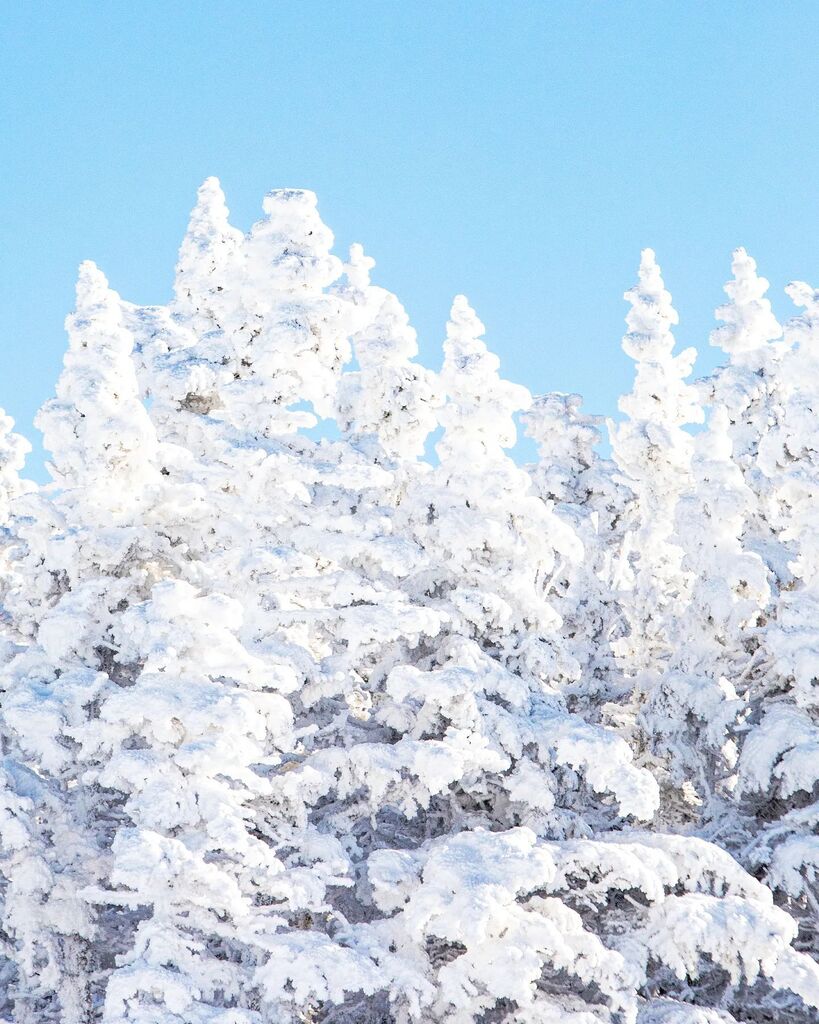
{"x": 520, "y": 153}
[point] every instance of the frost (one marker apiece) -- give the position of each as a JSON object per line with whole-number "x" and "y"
{"x": 316, "y": 726}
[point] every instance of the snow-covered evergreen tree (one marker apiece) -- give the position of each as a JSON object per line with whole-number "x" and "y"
{"x": 748, "y": 389}
{"x": 79, "y": 541}
{"x": 303, "y": 728}
{"x": 208, "y": 272}
{"x": 582, "y": 487}
{"x": 697, "y": 708}
{"x": 390, "y": 397}
{"x": 653, "y": 452}
{"x": 779, "y": 769}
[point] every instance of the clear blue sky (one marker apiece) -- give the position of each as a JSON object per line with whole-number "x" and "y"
{"x": 521, "y": 153}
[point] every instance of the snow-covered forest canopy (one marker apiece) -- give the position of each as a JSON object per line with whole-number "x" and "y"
{"x": 371, "y": 724}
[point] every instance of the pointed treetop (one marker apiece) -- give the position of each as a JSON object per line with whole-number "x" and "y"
{"x": 209, "y": 219}
{"x": 464, "y": 349}
{"x": 389, "y": 339}
{"x": 463, "y": 320}
{"x": 362, "y": 298}
{"x": 97, "y": 429}
{"x": 210, "y": 194}
{"x": 358, "y": 267}
{"x": 390, "y": 396}
{"x": 205, "y": 255}
{"x": 651, "y": 316}
{"x": 748, "y": 321}
{"x": 92, "y": 288}
{"x": 96, "y": 304}
{"x": 481, "y": 404}
{"x": 651, "y": 447}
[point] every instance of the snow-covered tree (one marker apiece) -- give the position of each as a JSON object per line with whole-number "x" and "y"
{"x": 297, "y": 338}
{"x": 748, "y": 389}
{"x": 653, "y": 452}
{"x": 209, "y": 272}
{"x": 696, "y": 708}
{"x": 192, "y": 862}
{"x": 78, "y": 542}
{"x": 571, "y": 476}
{"x": 311, "y": 726}
{"x": 390, "y": 397}
{"x": 779, "y": 768}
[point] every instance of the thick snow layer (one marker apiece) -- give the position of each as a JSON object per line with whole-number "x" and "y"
{"x": 374, "y": 725}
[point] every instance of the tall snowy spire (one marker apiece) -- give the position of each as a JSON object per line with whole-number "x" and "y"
{"x": 478, "y": 417}
{"x": 294, "y": 341}
{"x": 98, "y": 432}
{"x": 746, "y": 389}
{"x": 650, "y": 447}
{"x": 391, "y": 396}
{"x": 653, "y": 453}
{"x": 206, "y": 273}
{"x": 749, "y": 324}
{"x": 652, "y": 315}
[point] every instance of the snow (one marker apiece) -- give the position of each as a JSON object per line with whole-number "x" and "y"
{"x": 321, "y": 729}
